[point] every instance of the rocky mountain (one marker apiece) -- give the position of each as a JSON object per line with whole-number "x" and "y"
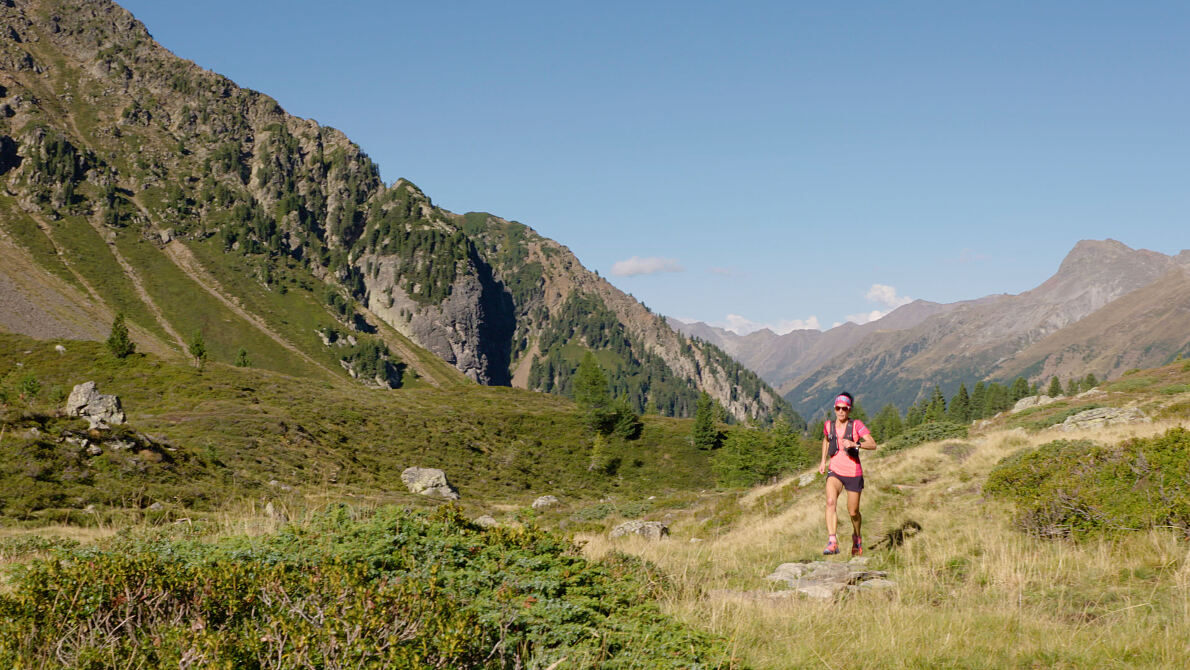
{"x": 1107, "y": 309}
{"x": 1102, "y": 287}
{"x": 784, "y": 360}
{"x": 137, "y": 182}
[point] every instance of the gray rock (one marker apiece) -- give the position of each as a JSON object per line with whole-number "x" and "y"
{"x": 156, "y": 507}
{"x": 1103, "y": 416}
{"x": 650, "y": 530}
{"x": 166, "y": 235}
{"x": 825, "y": 580}
{"x": 485, "y": 521}
{"x": 806, "y": 479}
{"x": 94, "y": 450}
{"x": 100, "y": 411}
{"x": 1031, "y": 401}
{"x": 429, "y": 482}
{"x": 121, "y": 445}
{"x": 877, "y": 583}
{"x": 60, "y": 349}
{"x": 545, "y": 501}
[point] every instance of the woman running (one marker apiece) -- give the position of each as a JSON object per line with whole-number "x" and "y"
{"x": 841, "y": 441}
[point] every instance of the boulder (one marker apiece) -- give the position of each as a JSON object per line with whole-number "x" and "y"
{"x": 650, "y": 530}
{"x": 1031, "y": 401}
{"x": 429, "y": 482}
{"x": 100, "y": 411}
{"x": 485, "y": 521}
{"x": 545, "y": 501}
{"x": 824, "y": 580}
{"x": 1103, "y": 416}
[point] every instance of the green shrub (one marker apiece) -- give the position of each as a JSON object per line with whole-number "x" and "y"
{"x": 927, "y": 432}
{"x": 1079, "y": 489}
{"x": 397, "y": 589}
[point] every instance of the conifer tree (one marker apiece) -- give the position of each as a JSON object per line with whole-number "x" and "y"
{"x": 1020, "y": 389}
{"x": 1055, "y": 388}
{"x": 1089, "y": 382}
{"x": 1072, "y": 387}
{"x": 936, "y": 410}
{"x": 913, "y": 417}
{"x": 705, "y": 435}
{"x": 118, "y": 342}
{"x": 960, "y": 406}
{"x": 242, "y": 360}
{"x": 591, "y": 393}
{"x": 979, "y": 396}
{"x": 887, "y": 423}
{"x": 198, "y": 350}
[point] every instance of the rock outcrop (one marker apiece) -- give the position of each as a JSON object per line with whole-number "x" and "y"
{"x": 100, "y": 411}
{"x": 1103, "y": 416}
{"x": 824, "y": 580}
{"x": 650, "y": 530}
{"x": 545, "y": 501}
{"x": 429, "y": 482}
{"x": 1032, "y": 401}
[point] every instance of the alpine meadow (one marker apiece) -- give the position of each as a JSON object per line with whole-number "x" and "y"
{"x": 261, "y": 409}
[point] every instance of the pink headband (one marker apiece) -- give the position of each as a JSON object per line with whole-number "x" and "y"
{"x": 843, "y": 400}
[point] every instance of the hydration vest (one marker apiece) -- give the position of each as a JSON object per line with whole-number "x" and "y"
{"x": 833, "y": 440}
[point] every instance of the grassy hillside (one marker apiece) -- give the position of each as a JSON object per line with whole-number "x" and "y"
{"x": 975, "y": 590}
{"x": 225, "y": 434}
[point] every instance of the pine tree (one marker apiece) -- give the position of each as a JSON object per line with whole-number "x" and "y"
{"x": 591, "y": 394}
{"x": 887, "y": 423}
{"x": 1020, "y": 388}
{"x": 242, "y": 360}
{"x": 705, "y": 435}
{"x": 118, "y": 342}
{"x": 198, "y": 349}
{"x": 1072, "y": 387}
{"x": 1090, "y": 382}
{"x": 913, "y": 417}
{"x": 936, "y": 410}
{"x": 979, "y": 396}
{"x": 960, "y": 406}
{"x": 1055, "y": 388}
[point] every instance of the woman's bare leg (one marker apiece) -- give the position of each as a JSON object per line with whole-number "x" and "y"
{"x": 833, "y": 487}
{"x": 853, "y": 510}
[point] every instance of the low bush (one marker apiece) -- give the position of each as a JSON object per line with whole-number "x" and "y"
{"x": 395, "y": 590}
{"x": 927, "y": 432}
{"x": 1080, "y": 489}
{"x": 1059, "y": 417}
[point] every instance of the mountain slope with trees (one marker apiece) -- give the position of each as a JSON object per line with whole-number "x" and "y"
{"x": 156, "y": 189}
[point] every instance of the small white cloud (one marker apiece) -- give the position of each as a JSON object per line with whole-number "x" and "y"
{"x": 861, "y": 319}
{"x": 742, "y": 326}
{"x": 886, "y": 295}
{"x": 645, "y": 266}
{"x": 726, "y": 272}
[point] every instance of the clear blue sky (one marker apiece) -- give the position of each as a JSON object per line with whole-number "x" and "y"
{"x": 778, "y": 158}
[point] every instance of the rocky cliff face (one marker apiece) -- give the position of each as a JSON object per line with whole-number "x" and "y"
{"x": 101, "y": 126}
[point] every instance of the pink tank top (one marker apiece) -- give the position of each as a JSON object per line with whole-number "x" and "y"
{"x": 843, "y": 463}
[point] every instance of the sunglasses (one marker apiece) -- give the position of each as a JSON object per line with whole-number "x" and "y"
{"x": 845, "y": 409}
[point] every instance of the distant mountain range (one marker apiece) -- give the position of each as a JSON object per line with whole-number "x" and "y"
{"x": 1108, "y": 308}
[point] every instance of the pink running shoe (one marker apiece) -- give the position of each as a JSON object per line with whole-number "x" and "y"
{"x": 832, "y": 545}
{"x": 857, "y": 545}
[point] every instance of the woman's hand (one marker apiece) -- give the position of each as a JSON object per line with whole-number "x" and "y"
{"x": 822, "y": 467}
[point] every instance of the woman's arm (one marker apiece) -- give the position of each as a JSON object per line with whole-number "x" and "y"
{"x": 867, "y": 442}
{"x": 822, "y": 464}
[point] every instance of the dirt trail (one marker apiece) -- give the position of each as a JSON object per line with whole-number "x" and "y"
{"x": 184, "y": 259}
{"x": 137, "y": 284}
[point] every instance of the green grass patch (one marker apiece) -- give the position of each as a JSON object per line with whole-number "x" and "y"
{"x": 25, "y": 231}
{"x": 235, "y": 430}
{"x": 1175, "y": 389}
{"x": 1130, "y": 383}
{"x": 90, "y": 256}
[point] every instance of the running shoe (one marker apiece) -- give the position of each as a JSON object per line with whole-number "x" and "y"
{"x": 832, "y": 545}
{"x": 857, "y": 545}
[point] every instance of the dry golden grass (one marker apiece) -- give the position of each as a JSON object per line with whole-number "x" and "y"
{"x": 973, "y": 592}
